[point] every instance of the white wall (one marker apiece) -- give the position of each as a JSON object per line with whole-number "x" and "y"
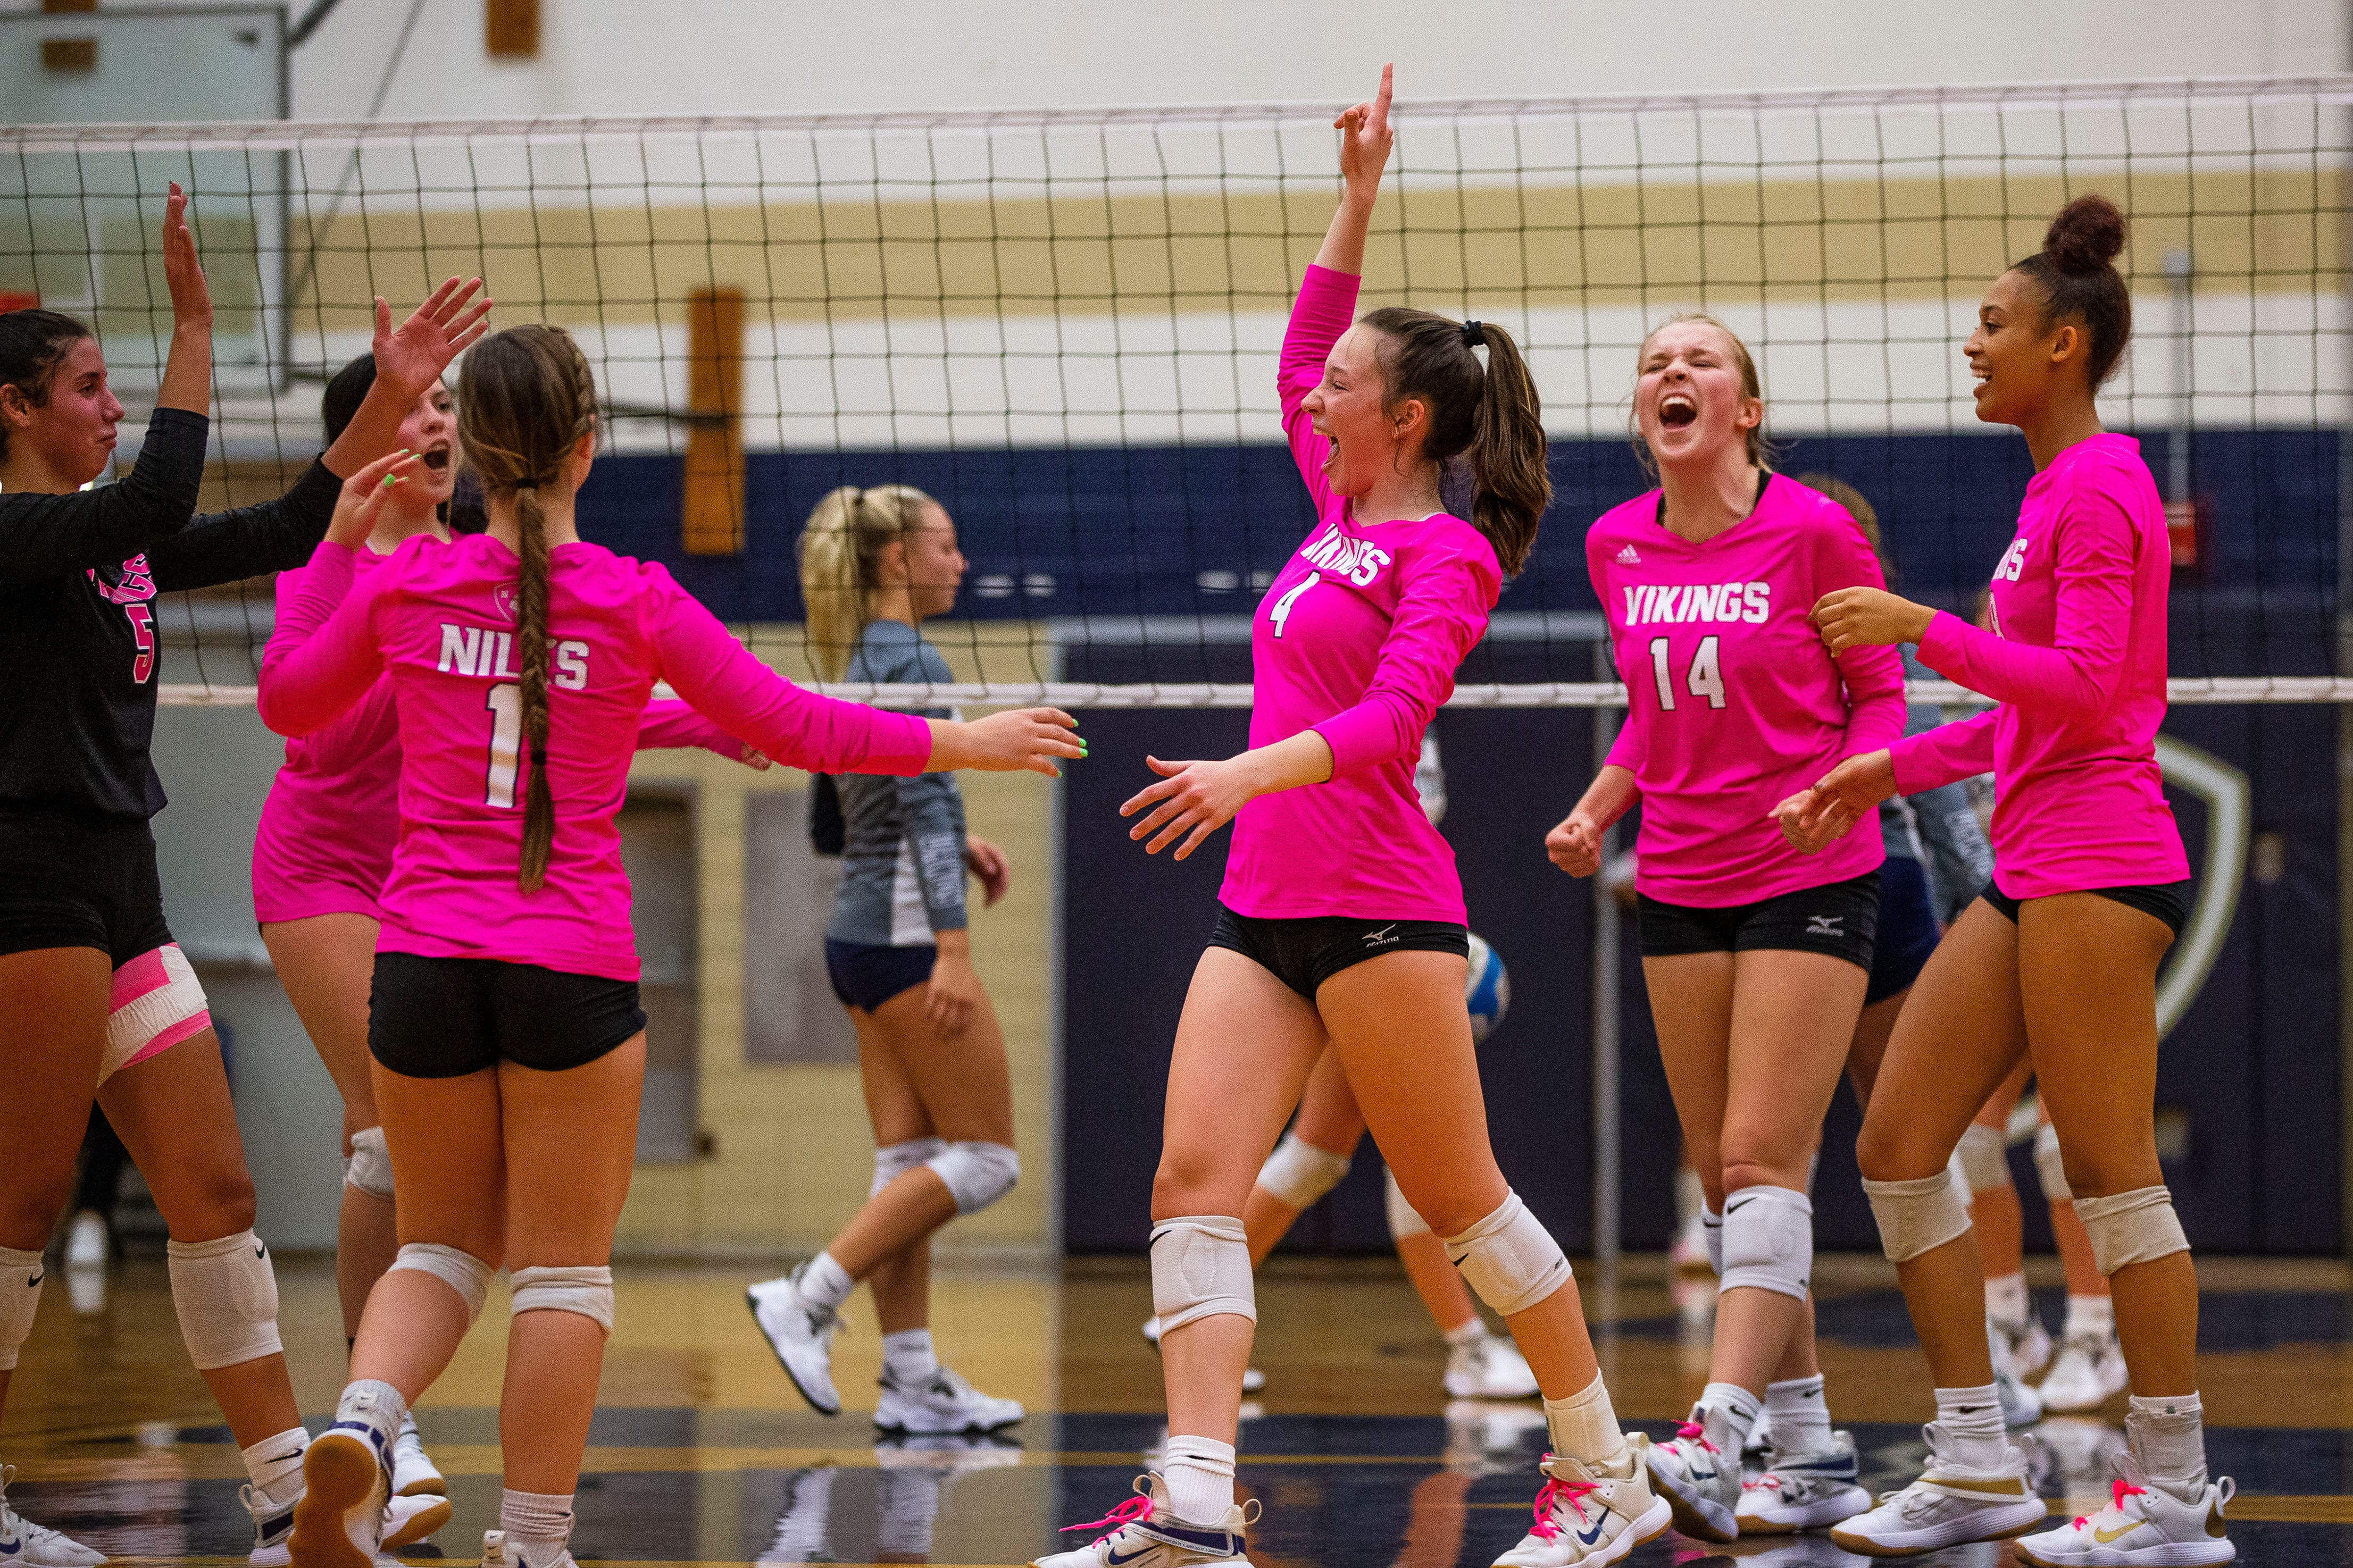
{"x": 623, "y": 57}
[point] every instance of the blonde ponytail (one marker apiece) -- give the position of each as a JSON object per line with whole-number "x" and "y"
{"x": 841, "y": 551}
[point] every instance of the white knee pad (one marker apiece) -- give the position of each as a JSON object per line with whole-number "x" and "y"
{"x": 2131, "y": 1227}
{"x": 892, "y": 1161}
{"x": 582, "y": 1288}
{"x": 461, "y": 1272}
{"x": 1404, "y": 1220}
{"x": 1201, "y": 1268}
{"x": 1769, "y": 1241}
{"x": 370, "y": 1167}
{"x": 1298, "y": 1173}
{"x": 1510, "y": 1258}
{"x": 1917, "y": 1217}
{"x": 227, "y": 1300}
{"x": 1984, "y": 1154}
{"x": 977, "y": 1173}
{"x": 1711, "y": 1231}
{"x": 2050, "y": 1166}
{"x": 20, "y": 1298}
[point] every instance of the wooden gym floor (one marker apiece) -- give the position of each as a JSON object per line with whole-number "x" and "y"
{"x": 703, "y": 1453}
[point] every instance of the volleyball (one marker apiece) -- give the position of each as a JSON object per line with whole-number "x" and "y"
{"x": 1488, "y": 990}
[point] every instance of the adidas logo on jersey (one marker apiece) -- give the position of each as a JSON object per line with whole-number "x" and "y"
{"x": 1629, "y": 556}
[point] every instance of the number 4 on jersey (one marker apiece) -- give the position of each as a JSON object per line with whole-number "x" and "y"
{"x": 1281, "y": 611}
{"x": 1705, "y": 678}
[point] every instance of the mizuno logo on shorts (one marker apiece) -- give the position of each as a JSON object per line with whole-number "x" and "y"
{"x": 1825, "y": 925}
{"x": 1386, "y": 934}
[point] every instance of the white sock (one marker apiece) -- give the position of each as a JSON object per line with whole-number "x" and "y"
{"x": 1970, "y": 1419}
{"x": 1740, "y": 1406}
{"x": 1584, "y": 1426}
{"x": 541, "y": 1519}
{"x": 1200, "y": 1476}
{"x": 2091, "y": 1317}
{"x": 2006, "y": 1298}
{"x": 1801, "y": 1415}
{"x": 908, "y": 1357}
{"x": 824, "y": 1282}
{"x": 2168, "y": 1435}
{"x": 1469, "y": 1333}
{"x": 275, "y": 1465}
{"x": 375, "y": 1406}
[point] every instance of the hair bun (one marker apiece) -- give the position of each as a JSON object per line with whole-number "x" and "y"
{"x": 2087, "y": 235}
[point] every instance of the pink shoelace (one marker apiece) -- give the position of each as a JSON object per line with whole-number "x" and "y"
{"x": 1553, "y": 1493}
{"x": 1690, "y": 1431}
{"x": 2119, "y": 1489}
{"x": 1135, "y": 1508}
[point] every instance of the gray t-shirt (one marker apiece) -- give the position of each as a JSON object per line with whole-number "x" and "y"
{"x": 902, "y": 839}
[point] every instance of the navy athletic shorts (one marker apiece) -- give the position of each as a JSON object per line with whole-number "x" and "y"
{"x": 865, "y": 974}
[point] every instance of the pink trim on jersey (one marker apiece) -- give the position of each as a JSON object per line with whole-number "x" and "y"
{"x": 2078, "y": 667}
{"x": 324, "y": 845}
{"x": 1733, "y": 704}
{"x": 1358, "y": 637}
{"x": 435, "y": 623}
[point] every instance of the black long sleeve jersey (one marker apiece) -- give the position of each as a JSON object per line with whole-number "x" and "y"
{"x": 78, "y": 576}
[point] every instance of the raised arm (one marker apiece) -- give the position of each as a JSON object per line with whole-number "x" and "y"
{"x": 1326, "y": 305}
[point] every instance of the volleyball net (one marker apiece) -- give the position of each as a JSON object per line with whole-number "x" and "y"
{"x": 1063, "y": 326}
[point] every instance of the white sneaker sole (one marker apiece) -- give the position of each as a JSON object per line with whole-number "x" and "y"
{"x": 2005, "y": 1525}
{"x": 340, "y": 1473}
{"x": 1656, "y": 1521}
{"x": 1788, "y": 1520}
{"x": 752, "y": 1303}
{"x": 431, "y": 1517}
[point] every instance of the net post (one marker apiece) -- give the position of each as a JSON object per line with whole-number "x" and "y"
{"x": 2344, "y": 667}
{"x": 713, "y": 505}
{"x": 1606, "y": 1162}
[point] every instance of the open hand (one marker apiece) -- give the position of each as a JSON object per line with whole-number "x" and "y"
{"x": 988, "y": 863}
{"x": 1192, "y": 800}
{"x": 1365, "y": 140}
{"x": 184, "y": 275}
{"x": 362, "y": 499}
{"x": 1867, "y": 617}
{"x": 413, "y": 356}
{"x": 1017, "y": 739}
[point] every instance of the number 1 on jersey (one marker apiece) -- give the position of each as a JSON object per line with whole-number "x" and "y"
{"x": 1705, "y": 678}
{"x": 1281, "y": 611}
{"x": 505, "y": 703}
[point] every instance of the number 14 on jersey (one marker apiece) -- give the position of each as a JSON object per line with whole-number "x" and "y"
{"x": 1705, "y": 678}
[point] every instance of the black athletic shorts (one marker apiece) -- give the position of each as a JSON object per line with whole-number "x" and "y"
{"x": 2168, "y": 901}
{"x": 865, "y": 974}
{"x": 445, "y": 1017}
{"x": 1907, "y": 929}
{"x": 71, "y": 878}
{"x": 1304, "y": 952}
{"x": 1840, "y": 919}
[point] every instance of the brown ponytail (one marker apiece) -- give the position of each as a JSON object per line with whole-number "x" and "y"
{"x": 1490, "y": 412}
{"x": 525, "y": 400}
{"x": 841, "y": 551}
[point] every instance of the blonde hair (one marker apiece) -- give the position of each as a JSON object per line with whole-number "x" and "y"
{"x": 841, "y": 551}
{"x": 1760, "y": 446}
{"x": 525, "y": 400}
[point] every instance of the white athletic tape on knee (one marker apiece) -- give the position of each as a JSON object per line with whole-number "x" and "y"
{"x": 892, "y": 1161}
{"x": 977, "y": 1174}
{"x": 369, "y": 1170}
{"x": 1510, "y": 1258}
{"x": 461, "y": 1272}
{"x": 155, "y": 1003}
{"x": 1201, "y": 1268}
{"x": 1769, "y": 1241}
{"x": 1298, "y": 1173}
{"x": 226, "y": 1299}
{"x": 1916, "y": 1216}
{"x": 2126, "y": 1228}
{"x": 1711, "y": 1233}
{"x": 1404, "y": 1220}
{"x": 20, "y": 1298}
{"x": 583, "y": 1289}
{"x": 2050, "y": 1165}
{"x": 1984, "y": 1154}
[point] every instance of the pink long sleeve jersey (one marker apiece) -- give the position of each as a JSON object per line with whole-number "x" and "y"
{"x": 325, "y": 842}
{"x": 2078, "y": 667}
{"x": 1733, "y": 704}
{"x": 1358, "y": 638}
{"x": 437, "y": 621}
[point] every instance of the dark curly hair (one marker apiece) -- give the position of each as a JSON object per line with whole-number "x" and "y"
{"x": 2076, "y": 271}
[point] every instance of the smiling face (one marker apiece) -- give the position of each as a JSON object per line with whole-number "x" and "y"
{"x": 431, "y": 430}
{"x": 928, "y": 562}
{"x": 69, "y": 435}
{"x": 1691, "y": 398}
{"x": 2017, "y": 360}
{"x": 1345, "y": 408}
